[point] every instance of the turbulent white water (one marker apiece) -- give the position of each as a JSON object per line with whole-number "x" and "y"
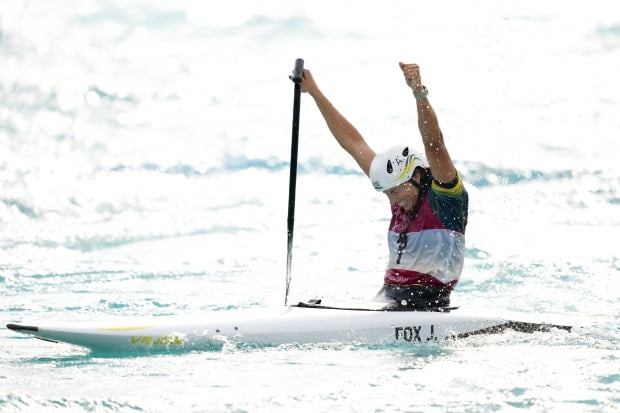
{"x": 144, "y": 151}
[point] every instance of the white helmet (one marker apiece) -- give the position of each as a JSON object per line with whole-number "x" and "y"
{"x": 394, "y": 166}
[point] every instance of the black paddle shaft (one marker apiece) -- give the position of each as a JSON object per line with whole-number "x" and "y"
{"x": 296, "y": 78}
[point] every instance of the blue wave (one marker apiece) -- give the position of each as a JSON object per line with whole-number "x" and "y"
{"x": 131, "y": 17}
{"x": 95, "y": 243}
{"x": 21, "y": 207}
{"x": 99, "y": 243}
{"x": 480, "y": 175}
{"x": 111, "y": 96}
{"x": 611, "y": 30}
{"x": 240, "y": 163}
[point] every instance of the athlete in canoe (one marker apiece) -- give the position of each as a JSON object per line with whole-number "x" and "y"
{"x": 428, "y": 200}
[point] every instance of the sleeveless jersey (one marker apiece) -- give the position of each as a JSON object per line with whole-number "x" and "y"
{"x": 435, "y": 249}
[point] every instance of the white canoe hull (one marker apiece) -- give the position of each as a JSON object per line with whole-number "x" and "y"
{"x": 301, "y": 325}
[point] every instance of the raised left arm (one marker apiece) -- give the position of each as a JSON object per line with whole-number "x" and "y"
{"x": 439, "y": 160}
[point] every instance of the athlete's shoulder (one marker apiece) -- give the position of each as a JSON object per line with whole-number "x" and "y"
{"x": 452, "y": 188}
{"x": 450, "y": 204}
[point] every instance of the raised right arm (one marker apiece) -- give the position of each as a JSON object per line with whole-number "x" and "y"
{"x": 345, "y": 133}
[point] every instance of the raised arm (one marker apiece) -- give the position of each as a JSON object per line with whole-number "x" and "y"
{"x": 347, "y": 136}
{"x": 439, "y": 160}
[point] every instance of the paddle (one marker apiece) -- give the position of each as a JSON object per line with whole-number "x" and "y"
{"x": 296, "y": 78}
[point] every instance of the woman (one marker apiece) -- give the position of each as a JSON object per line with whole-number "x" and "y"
{"x": 429, "y": 203}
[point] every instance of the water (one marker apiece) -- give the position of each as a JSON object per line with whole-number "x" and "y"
{"x": 144, "y": 171}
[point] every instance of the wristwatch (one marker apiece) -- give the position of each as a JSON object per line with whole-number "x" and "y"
{"x": 421, "y": 95}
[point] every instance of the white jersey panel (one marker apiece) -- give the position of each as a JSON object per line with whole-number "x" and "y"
{"x": 437, "y": 252}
